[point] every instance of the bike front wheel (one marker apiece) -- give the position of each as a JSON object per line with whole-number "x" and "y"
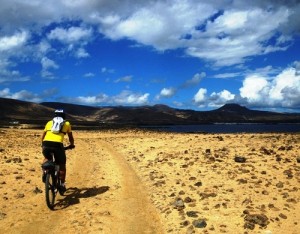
{"x": 50, "y": 187}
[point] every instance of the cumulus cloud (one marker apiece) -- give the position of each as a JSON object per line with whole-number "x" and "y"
{"x": 70, "y": 35}
{"x": 200, "y": 96}
{"x": 178, "y": 24}
{"x": 259, "y": 90}
{"x": 167, "y": 92}
{"x": 8, "y": 75}
{"x": 91, "y": 100}
{"x": 81, "y": 53}
{"x": 126, "y": 97}
{"x": 194, "y": 81}
{"x": 21, "y": 95}
{"x": 223, "y": 33}
{"x": 282, "y": 90}
{"x": 14, "y": 41}
{"x": 47, "y": 66}
{"x": 48, "y": 63}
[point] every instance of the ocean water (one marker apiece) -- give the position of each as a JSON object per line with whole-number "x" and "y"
{"x": 229, "y": 128}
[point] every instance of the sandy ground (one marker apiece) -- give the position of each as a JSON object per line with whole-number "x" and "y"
{"x": 150, "y": 182}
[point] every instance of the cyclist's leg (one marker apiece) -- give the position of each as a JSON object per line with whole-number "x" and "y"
{"x": 48, "y": 156}
{"x": 48, "y": 153}
{"x": 60, "y": 158}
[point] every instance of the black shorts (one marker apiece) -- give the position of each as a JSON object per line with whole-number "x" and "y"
{"x": 55, "y": 149}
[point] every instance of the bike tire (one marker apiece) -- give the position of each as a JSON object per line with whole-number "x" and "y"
{"x": 50, "y": 190}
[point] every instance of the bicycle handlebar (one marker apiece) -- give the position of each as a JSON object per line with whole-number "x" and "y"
{"x": 69, "y": 147}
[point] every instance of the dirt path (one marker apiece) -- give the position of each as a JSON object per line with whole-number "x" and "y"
{"x": 104, "y": 196}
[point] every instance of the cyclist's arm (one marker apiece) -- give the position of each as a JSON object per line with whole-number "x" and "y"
{"x": 43, "y": 135}
{"x": 71, "y": 138}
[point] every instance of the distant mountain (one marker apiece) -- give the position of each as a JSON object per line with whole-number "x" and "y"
{"x": 27, "y": 112}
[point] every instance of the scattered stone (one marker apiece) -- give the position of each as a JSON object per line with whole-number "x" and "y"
{"x": 283, "y": 216}
{"x": 239, "y": 159}
{"x": 266, "y": 151}
{"x": 179, "y": 204}
{"x": 181, "y": 192}
{"x": 37, "y": 190}
{"x": 207, "y": 151}
{"x": 278, "y": 158}
{"x": 279, "y": 185}
{"x": 185, "y": 223}
{"x": 190, "y": 230}
{"x": 252, "y": 219}
{"x": 2, "y": 215}
{"x": 242, "y": 181}
{"x": 249, "y": 225}
{"x": 220, "y": 138}
{"x": 288, "y": 173}
{"x": 20, "y": 195}
{"x": 199, "y": 223}
{"x": 298, "y": 159}
{"x": 281, "y": 148}
{"x": 265, "y": 192}
{"x": 19, "y": 177}
{"x": 192, "y": 214}
{"x": 188, "y": 200}
{"x": 207, "y": 195}
{"x": 198, "y": 184}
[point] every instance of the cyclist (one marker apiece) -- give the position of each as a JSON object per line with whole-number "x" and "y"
{"x": 52, "y": 143}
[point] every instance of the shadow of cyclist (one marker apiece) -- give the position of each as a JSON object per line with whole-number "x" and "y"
{"x": 72, "y": 195}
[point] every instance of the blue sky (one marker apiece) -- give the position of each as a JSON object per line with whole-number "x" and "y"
{"x": 188, "y": 54}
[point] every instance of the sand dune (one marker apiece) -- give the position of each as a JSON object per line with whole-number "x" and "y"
{"x": 150, "y": 182}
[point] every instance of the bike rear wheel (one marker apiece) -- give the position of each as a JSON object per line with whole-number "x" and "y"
{"x": 50, "y": 187}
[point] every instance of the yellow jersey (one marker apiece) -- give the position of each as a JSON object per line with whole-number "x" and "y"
{"x": 56, "y": 137}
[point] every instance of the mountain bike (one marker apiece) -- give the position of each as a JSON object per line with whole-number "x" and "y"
{"x": 52, "y": 181}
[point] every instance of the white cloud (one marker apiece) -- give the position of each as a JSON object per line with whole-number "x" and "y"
{"x": 15, "y": 41}
{"x": 195, "y": 80}
{"x": 5, "y": 93}
{"x": 124, "y": 79}
{"x": 253, "y": 88}
{"x": 107, "y": 70}
{"x": 167, "y": 92}
{"x": 21, "y": 95}
{"x": 200, "y": 96}
{"x": 231, "y": 32}
{"x": 48, "y": 63}
{"x": 91, "y": 100}
{"x": 221, "y": 98}
{"x": 8, "y": 74}
{"x": 214, "y": 99}
{"x": 172, "y": 20}
{"x": 70, "y": 35}
{"x": 129, "y": 98}
{"x": 89, "y": 74}
{"x": 81, "y": 53}
{"x": 282, "y": 90}
{"x": 124, "y": 98}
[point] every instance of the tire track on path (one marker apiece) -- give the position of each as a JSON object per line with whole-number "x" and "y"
{"x": 104, "y": 195}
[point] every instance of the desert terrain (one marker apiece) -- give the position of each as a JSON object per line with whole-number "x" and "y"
{"x": 134, "y": 181}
